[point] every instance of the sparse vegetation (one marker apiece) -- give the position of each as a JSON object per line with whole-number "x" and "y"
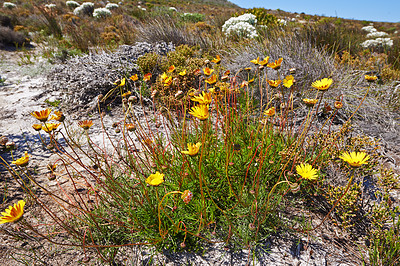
{"x": 223, "y": 135}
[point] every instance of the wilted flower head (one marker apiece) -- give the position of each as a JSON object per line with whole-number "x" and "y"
{"x": 322, "y": 84}
{"x": 310, "y": 102}
{"x": 355, "y": 159}
{"x": 200, "y": 111}
{"x": 193, "y": 149}
{"x": 23, "y": 161}
{"x": 42, "y": 115}
{"x": 130, "y": 127}
{"x": 187, "y": 196}
{"x": 59, "y": 116}
{"x": 338, "y": 104}
{"x": 155, "y": 179}
{"x": 204, "y": 98}
{"x": 306, "y": 171}
{"x": 13, "y": 213}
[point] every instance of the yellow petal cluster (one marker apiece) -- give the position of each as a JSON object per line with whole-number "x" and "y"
{"x": 193, "y": 149}
{"x": 200, "y": 111}
{"x": 204, "y": 98}
{"x": 155, "y": 179}
{"x": 322, "y": 84}
{"x": 306, "y": 171}
{"x": 23, "y": 161}
{"x": 355, "y": 159}
{"x": 13, "y": 213}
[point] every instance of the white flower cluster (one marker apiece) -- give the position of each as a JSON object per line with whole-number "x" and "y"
{"x": 243, "y": 25}
{"x": 72, "y": 4}
{"x": 101, "y": 12}
{"x": 142, "y": 8}
{"x": 378, "y": 42}
{"x": 86, "y": 8}
{"x": 173, "y": 9}
{"x": 376, "y": 34}
{"x": 373, "y": 33}
{"x": 9, "y": 5}
{"x": 369, "y": 29}
{"x": 282, "y": 22}
{"x": 50, "y": 6}
{"x": 111, "y": 6}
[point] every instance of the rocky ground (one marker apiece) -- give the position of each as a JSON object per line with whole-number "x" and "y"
{"x": 25, "y": 89}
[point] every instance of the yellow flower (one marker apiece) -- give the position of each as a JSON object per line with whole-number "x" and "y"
{"x": 23, "y": 161}
{"x": 211, "y": 80}
{"x": 244, "y": 83}
{"x": 355, "y": 159}
{"x": 276, "y": 65}
{"x": 168, "y": 81}
{"x": 322, "y": 84}
{"x": 274, "y": 83}
{"x": 270, "y": 112}
{"x": 171, "y": 69}
{"x": 155, "y": 179}
{"x": 207, "y": 71}
{"x": 147, "y": 77}
{"x": 255, "y": 61}
{"x": 193, "y": 149}
{"x": 42, "y": 115}
{"x": 288, "y": 81}
{"x": 310, "y": 102}
{"x": 134, "y": 77}
{"x": 37, "y": 127}
{"x": 13, "y": 213}
{"x": 183, "y": 73}
{"x": 200, "y": 111}
{"x": 370, "y": 78}
{"x": 251, "y": 81}
{"x": 122, "y": 83}
{"x": 128, "y": 93}
{"x": 164, "y": 76}
{"x": 247, "y": 68}
{"x": 216, "y": 60}
{"x": 85, "y": 124}
{"x": 264, "y": 62}
{"x": 306, "y": 171}
{"x": 59, "y": 116}
{"x": 204, "y": 98}
{"x": 187, "y": 196}
{"x": 48, "y": 127}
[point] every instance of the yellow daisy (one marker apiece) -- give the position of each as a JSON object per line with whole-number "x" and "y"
{"x": 155, "y": 179}
{"x": 355, "y": 159}
{"x": 306, "y": 171}
{"x": 13, "y": 213}
{"x": 322, "y": 84}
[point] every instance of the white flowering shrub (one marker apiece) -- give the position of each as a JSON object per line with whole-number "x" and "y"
{"x": 379, "y": 42}
{"x": 282, "y": 22}
{"x": 369, "y": 29}
{"x": 101, "y": 13}
{"x": 111, "y": 6}
{"x": 243, "y": 25}
{"x": 86, "y": 8}
{"x": 72, "y": 4}
{"x": 9, "y": 5}
{"x": 50, "y": 6}
{"x": 376, "y": 34}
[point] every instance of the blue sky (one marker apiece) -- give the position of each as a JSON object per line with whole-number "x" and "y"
{"x": 374, "y": 10}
